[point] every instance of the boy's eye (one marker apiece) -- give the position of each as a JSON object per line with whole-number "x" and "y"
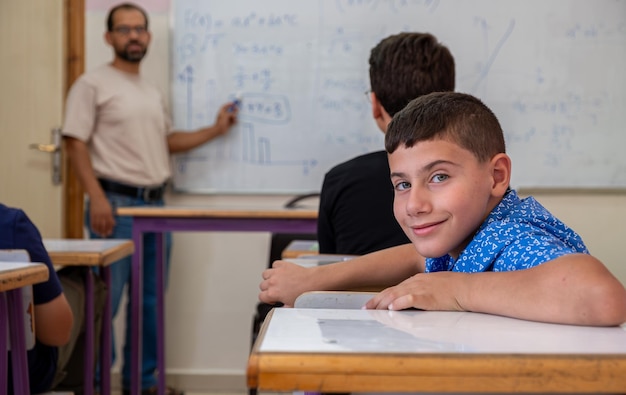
{"x": 439, "y": 178}
{"x": 402, "y": 185}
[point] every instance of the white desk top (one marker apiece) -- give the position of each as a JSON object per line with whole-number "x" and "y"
{"x": 8, "y": 267}
{"x": 381, "y": 331}
{"x": 87, "y": 252}
{"x": 82, "y": 245}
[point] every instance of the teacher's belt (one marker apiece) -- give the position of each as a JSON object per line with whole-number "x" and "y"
{"x": 147, "y": 194}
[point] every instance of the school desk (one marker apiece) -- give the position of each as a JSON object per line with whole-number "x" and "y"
{"x": 13, "y": 277}
{"x": 296, "y": 248}
{"x": 210, "y": 218}
{"x": 100, "y": 253}
{"x": 326, "y": 350}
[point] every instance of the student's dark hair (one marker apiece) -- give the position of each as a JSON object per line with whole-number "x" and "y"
{"x": 456, "y": 117}
{"x": 125, "y": 6}
{"x": 408, "y": 65}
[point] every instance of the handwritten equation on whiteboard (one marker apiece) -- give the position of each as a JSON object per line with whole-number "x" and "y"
{"x": 301, "y": 68}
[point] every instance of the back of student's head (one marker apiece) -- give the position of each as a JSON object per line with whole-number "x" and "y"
{"x": 456, "y": 117}
{"x": 408, "y": 65}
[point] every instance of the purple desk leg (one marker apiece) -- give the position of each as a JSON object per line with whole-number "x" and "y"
{"x": 105, "y": 336}
{"x": 89, "y": 328}
{"x": 19, "y": 360}
{"x": 4, "y": 316}
{"x": 136, "y": 308}
{"x": 160, "y": 282}
{"x": 160, "y": 225}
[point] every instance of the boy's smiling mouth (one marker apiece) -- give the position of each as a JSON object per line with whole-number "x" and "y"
{"x": 426, "y": 228}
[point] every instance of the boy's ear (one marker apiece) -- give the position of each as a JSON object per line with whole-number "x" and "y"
{"x": 501, "y": 167}
{"x": 379, "y": 113}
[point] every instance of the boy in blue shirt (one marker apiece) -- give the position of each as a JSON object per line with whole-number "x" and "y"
{"x": 476, "y": 246}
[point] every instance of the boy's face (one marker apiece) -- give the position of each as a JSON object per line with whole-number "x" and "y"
{"x": 442, "y": 195}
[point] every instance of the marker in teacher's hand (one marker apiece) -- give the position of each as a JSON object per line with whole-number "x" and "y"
{"x": 236, "y": 103}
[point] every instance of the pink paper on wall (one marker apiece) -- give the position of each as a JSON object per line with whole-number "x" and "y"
{"x": 150, "y": 5}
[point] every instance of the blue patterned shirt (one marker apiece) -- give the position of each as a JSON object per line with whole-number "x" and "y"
{"x": 517, "y": 234}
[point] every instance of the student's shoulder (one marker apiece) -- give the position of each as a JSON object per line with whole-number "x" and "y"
{"x": 8, "y": 216}
{"x": 13, "y": 224}
{"x": 521, "y": 223}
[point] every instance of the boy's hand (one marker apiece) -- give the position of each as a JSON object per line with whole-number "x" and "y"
{"x": 425, "y": 291}
{"x": 284, "y": 282}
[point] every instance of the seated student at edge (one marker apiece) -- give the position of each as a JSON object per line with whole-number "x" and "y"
{"x": 53, "y": 314}
{"x": 476, "y": 246}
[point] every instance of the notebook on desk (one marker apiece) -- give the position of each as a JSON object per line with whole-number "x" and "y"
{"x": 300, "y": 247}
{"x": 320, "y": 259}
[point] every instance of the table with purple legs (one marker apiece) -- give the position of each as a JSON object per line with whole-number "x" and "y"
{"x": 207, "y": 219}
{"x": 100, "y": 253}
{"x": 14, "y": 276}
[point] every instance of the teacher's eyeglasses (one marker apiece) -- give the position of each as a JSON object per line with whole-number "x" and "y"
{"x": 125, "y": 30}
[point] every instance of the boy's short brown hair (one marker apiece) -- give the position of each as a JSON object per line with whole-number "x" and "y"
{"x": 452, "y": 116}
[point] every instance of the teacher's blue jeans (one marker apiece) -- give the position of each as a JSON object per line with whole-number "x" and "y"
{"x": 120, "y": 278}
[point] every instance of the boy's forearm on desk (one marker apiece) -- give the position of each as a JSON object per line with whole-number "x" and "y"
{"x": 573, "y": 289}
{"x": 372, "y": 271}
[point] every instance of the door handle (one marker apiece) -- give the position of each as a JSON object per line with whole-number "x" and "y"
{"x": 45, "y": 147}
{"x": 55, "y": 149}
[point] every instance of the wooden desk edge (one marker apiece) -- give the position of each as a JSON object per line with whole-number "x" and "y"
{"x": 400, "y": 373}
{"x": 26, "y": 276}
{"x": 291, "y": 254}
{"x": 82, "y": 258}
{"x": 252, "y": 371}
{"x": 310, "y": 248}
{"x": 119, "y": 252}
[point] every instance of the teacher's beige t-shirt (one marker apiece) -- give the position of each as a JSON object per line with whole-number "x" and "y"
{"x": 124, "y": 122}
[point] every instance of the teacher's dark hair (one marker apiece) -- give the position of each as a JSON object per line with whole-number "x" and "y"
{"x": 125, "y": 6}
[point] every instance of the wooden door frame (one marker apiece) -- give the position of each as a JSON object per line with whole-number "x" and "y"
{"x": 74, "y": 67}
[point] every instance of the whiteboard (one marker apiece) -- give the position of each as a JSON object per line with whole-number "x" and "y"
{"x": 552, "y": 71}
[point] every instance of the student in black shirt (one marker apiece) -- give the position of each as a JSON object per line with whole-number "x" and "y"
{"x": 356, "y": 203}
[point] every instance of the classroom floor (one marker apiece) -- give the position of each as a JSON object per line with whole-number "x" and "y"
{"x": 232, "y": 393}
{"x": 214, "y": 393}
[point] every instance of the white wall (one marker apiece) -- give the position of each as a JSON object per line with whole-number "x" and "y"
{"x": 598, "y": 216}
{"x": 214, "y": 279}
{"x": 212, "y": 299}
